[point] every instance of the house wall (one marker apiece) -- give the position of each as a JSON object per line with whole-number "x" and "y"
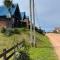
{"x": 18, "y": 23}
{"x": 3, "y": 23}
{"x": 25, "y": 23}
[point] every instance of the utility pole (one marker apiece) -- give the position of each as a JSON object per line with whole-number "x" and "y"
{"x": 30, "y": 7}
{"x": 32, "y": 25}
{"x": 33, "y": 18}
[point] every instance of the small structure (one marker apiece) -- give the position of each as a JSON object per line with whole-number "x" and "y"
{"x": 57, "y": 30}
{"x": 25, "y": 20}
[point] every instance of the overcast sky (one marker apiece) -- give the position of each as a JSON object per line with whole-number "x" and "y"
{"x": 47, "y": 12}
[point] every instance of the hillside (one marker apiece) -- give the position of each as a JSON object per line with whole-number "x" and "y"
{"x": 44, "y": 50}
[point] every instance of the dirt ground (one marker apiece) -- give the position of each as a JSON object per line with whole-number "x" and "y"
{"x": 55, "y": 40}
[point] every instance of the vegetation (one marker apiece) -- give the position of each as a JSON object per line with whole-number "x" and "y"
{"x": 8, "y": 4}
{"x": 43, "y": 50}
{"x": 24, "y": 56}
{"x": 3, "y": 30}
{"x": 23, "y": 52}
{"x": 40, "y": 31}
{"x": 10, "y": 31}
{"x": 16, "y": 31}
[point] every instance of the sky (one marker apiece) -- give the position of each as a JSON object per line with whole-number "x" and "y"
{"x": 47, "y": 12}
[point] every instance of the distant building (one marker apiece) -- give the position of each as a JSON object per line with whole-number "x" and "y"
{"x": 57, "y": 30}
{"x": 25, "y": 20}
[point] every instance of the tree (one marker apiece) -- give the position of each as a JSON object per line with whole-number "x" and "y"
{"x": 8, "y": 4}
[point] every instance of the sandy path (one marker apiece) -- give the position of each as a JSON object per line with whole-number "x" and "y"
{"x": 55, "y": 40}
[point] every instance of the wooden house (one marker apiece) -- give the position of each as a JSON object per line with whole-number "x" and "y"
{"x": 7, "y": 19}
{"x": 15, "y": 19}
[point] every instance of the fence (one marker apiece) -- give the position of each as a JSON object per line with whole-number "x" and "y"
{"x": 5, "y": 51}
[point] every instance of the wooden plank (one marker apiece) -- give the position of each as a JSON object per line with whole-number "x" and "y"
{"x": 10, "y": 56}
{"x": 7, "y": 51}
{"x": 1, "y": 55}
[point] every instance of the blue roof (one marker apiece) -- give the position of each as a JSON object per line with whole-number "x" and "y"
{"x": 4, "y": 10}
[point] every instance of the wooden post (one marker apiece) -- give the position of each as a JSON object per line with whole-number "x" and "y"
{"x": 30, "y": 7}
{"x": 14, "y": 54}
{"x": 33, "y": 18}
{"x": 4, "y": 57}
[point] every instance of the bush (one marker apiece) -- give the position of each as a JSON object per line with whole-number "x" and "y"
{"x": 9, "y": 32}
{"x": 3, "y": 30}
{"x": 24, "y": 29}
{"x": 24, "y": 56}
{"x": 40, "y": 31}
{"x": 16, "y": 31}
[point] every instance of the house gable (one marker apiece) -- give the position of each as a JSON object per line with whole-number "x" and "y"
{"x": 4, "y": 10}
{"x": 17, "y": 13}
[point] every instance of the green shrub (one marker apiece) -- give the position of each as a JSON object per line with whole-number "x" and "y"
{"x": 16, "y": 31}
{"x": 3, "y": 30}
{"x": 24, "y": 29}
{"x": 9, "y": 32}
{"x": 24, "y": 56}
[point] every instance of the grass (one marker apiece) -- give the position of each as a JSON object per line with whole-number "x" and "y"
{"x": 42, "y": 54}
{"x": 7, "y": 42}
{"x": 44, "y": 50}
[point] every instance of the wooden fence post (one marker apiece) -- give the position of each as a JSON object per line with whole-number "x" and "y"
{"x": 4, "y": 57}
